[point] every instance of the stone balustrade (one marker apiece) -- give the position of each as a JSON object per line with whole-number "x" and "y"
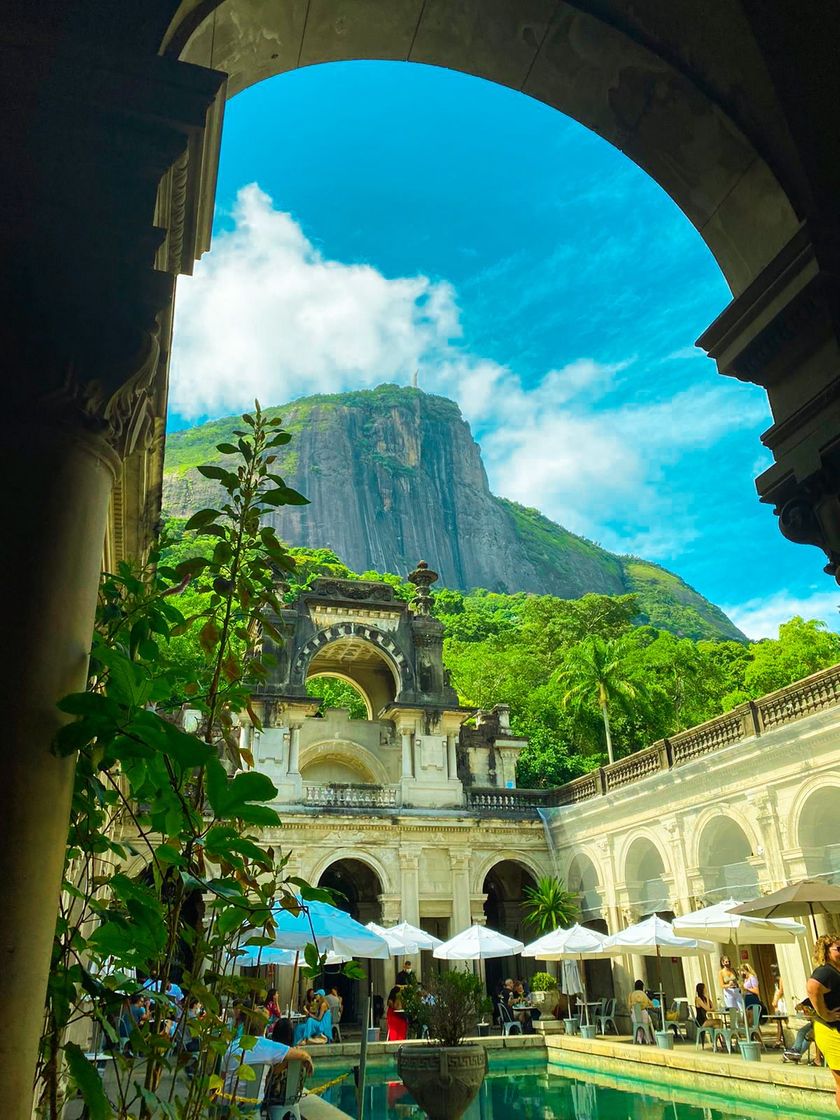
{"x": 748, "y": 721}
{"x": 351, "y": 796}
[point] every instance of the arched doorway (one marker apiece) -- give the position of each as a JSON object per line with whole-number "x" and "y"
{"x": 504, "y": 886}
{"x": 649, "y": 893}
{"x": 356, "y": 889}
{"x": 582, "y": 881}
{"x": 727, "y": 863}
{"x": 815, "y": 826}
{"x": 724, "y": 857}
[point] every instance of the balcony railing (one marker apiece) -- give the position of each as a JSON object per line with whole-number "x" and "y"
{"x": 748, "y": 721}
{"x": 350, "y": 796}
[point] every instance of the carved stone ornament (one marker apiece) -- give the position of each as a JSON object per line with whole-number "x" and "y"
{"x": 443, "y": 1080}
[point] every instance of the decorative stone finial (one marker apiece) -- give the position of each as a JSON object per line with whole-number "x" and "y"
{"x": 422, "y": 577}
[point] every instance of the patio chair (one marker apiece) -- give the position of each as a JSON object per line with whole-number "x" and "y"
{"x": 507, "y": 1022}
{"x": 336, "y": 1033}
{"x": 734, "y": 1031}
{"x": 677, "y": 1019}
{"x": 607, "y": 1016}
{"x": 710, "y": 1029}
{"x": 283, "y": 1093}
{"x": 751, "y": 1027}
{"x": 642, "y": 1030}
{"x": 249, "y": 1096}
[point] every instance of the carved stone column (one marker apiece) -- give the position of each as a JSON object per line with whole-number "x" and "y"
{"x": 294, "y": 748}
{"x": 410, "y": 885}
{"x": 82, "y": 301}
{"x": 459, "y": 863}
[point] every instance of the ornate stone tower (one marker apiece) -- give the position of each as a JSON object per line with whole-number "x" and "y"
{"x": 359, "y": 631}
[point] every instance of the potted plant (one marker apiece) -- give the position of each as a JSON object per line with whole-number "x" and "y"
{"x": 544, "y": 992}
{"x": 445, "y": 1075}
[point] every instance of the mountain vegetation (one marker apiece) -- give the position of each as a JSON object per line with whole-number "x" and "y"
{"x": 394, "y": 476}
{"x": 530, "y": 652}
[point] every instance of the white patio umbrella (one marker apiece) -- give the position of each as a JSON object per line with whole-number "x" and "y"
{"x": 571, "y": 946}
{"x": 397, "y": 945}
{"x": 657, "y": 935}
{"x": 255, "y": 955}
{"x": 415, "y": 935}
{"x": 478, "y": 943}
{"x": 719, "y": 923}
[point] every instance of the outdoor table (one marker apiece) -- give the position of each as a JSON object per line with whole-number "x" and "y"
{"x": 780, "y": 1021}
{"x": 595, "y": 1004}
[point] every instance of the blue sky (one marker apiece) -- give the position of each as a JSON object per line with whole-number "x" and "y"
{"x": 376, "y": 218}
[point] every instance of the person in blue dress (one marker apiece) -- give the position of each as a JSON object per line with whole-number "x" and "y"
{"x": 317, "y": 1027}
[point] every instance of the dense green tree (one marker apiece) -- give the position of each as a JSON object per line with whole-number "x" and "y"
{"x": 801, "y": 649}
{"x": 602, "y": 672}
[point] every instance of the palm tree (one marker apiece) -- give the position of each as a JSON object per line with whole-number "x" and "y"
{"x": 549, "y": 905}
{"x": 600, "y": 671}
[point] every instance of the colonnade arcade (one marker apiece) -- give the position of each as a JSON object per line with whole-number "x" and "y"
{"x": 112, "y": 124}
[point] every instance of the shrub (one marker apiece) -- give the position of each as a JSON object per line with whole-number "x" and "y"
{"x": 543, "y": 982}
{"x": 450, "y": 1007}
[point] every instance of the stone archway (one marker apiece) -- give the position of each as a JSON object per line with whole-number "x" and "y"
{"x": 504, "y": 887}
{"x": 816, "y": 824}
{"x": 366, "y": 657}
{"x": 726, "y": 858}
{"x": 570, "y": 59}
{"x": 357, "y": 889}
{"x": 645, "y": 874}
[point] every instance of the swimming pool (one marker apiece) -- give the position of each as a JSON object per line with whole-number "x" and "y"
{"x": 519, "y": 1090}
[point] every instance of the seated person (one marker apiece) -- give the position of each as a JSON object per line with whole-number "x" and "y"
{"x": 395, "y": 1018}
{"x": 526, "y": 1016}
{"x": 265, "y": 1050}
{"x": 317, "y": 1027}
{"x": 704, "y": 1009}
{"x": 804, "y": 1036}
{"x": 639, "y": 998}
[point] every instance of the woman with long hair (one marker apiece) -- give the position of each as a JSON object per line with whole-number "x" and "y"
{"x": 824, "y": 994}
{"x": 729, "y": 986}
{"x": 395, "y": 1018}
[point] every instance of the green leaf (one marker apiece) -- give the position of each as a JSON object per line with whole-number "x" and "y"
{"x": 83, "y": 1074}
{"x": 202, "y": 518}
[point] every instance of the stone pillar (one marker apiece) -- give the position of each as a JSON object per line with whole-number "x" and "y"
{"x": 294, "y": 749}
{"x": 407, "y": 761}
{"x": 459, "y": 862}
{"x": 410, "y": 885}
{"x": 85, "y": 292}
{"x": 451, "y": 757}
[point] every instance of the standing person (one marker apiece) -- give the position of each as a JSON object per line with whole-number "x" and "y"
{"x": 824, "y": 993}
{"x": 395, "y": 1018}
{"x": 749, "y": 985}
{"x": 405, "y": 975}
{"x": 333, "y": 998}
{"x": 728, "y": 984}
{"x": 778, "y": 1003}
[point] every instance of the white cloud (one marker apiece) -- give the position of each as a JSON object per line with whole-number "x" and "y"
{"x": 268, "y": 315}
{"x": 760, "y": 618}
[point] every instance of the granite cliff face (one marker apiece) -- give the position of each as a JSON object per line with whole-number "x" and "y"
{"x": 393, "y": 476}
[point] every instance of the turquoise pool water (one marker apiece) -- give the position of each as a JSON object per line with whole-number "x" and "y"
{"x": 521, "y": 1092}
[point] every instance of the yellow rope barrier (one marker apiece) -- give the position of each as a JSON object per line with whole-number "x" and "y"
{"x": 328, "y": 1084}
{"x": 316, "y": 1092}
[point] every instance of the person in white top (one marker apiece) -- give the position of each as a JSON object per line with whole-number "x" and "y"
{"x": 265, "y": 1051}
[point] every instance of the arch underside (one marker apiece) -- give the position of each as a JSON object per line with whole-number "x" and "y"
{"x": 366, "y": 658}
{"x": 569, "y": 59}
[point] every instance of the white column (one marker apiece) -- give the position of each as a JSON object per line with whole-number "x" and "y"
{"x": 294, "y": 748}
{"x": 410, "y": 886}
{"x": 461, "y": 911}
{"x": 407, "y": 768}
{"x": 451, "y": 757}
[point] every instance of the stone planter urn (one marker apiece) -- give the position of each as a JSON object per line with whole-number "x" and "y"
{"x": 444, "y": 1080}
{"x": 545, "y": 1001}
